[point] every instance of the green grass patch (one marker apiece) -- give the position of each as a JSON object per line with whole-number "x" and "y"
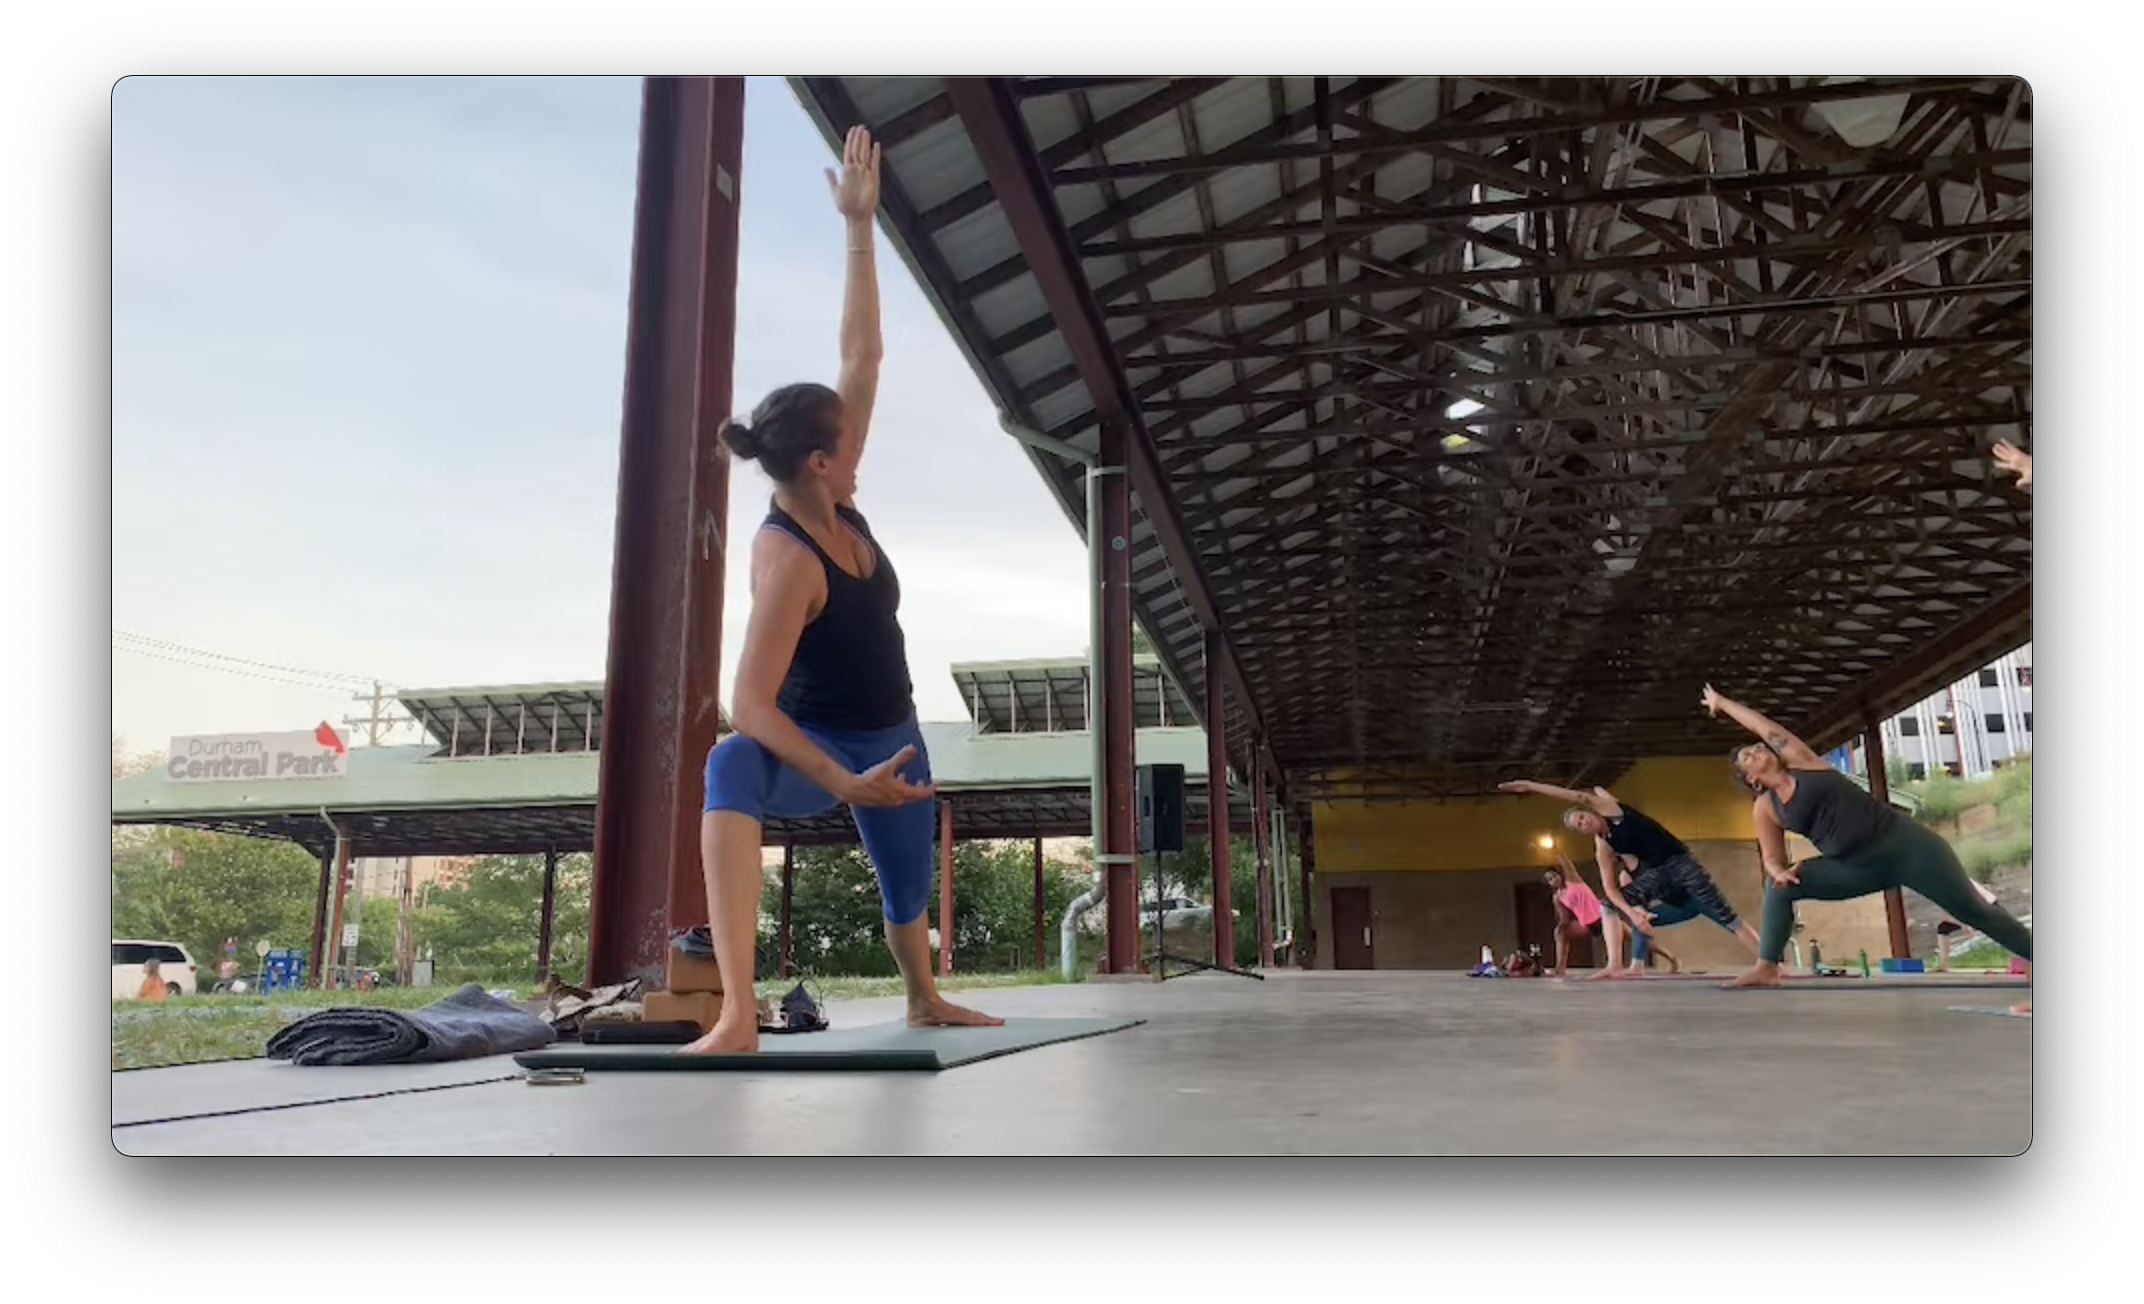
{"x": 1983, "y": 856}
{"x": 204, "y": 1029}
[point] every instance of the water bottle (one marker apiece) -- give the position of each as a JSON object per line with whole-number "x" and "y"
{"x": 1864, "y": 964}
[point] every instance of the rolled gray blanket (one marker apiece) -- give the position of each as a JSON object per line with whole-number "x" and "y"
{"x": 468, "y": 1023}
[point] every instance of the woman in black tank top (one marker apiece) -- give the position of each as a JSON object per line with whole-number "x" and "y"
{"x": 822, "y": 706}
{"x": 1864, "y": 845}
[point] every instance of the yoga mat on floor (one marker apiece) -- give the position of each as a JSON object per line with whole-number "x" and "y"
{"x": 1997, "y": 1011}
{"x": 1896, "y": 983}
{"x": 874, "y": 1048}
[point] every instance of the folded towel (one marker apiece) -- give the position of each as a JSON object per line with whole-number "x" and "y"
{"x": 467, "y": 1024}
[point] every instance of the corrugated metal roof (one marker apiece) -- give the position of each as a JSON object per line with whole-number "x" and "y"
{"x": 404, "y": 778}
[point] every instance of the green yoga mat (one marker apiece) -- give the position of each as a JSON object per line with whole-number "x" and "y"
{"x": 874, "y": 1048}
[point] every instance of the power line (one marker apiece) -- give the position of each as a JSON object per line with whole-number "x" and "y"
{"x": 238, "y": 670}
{"x": 169, "y": 646}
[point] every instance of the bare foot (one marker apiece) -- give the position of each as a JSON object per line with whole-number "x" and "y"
{"x": 1597, "y": 975}
{"x": 738, "y": 1035}
{"x": 2022, "y": 1007}
{"x": 1759, "y": 975}
{"x": 1674, "y": 966}
{"x": 1635, "y": 971}
{"x": 942, "y": 1013}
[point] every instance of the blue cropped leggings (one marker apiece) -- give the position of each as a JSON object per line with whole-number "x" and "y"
{"x": 744, "y": 777}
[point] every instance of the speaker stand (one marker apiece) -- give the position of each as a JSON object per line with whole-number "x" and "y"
{"x": 1161, "y": 959}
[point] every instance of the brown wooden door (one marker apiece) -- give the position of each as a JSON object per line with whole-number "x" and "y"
{"x": 1352, "y": 947}
{"x": 1535, "y": 908}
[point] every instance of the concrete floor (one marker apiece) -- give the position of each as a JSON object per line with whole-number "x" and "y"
{"x": 1318, "y": 1063}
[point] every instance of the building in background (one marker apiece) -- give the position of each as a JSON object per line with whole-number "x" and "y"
{"x": 1969, "y": 729}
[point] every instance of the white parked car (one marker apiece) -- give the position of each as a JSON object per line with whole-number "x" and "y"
{"x": 1182, "y": 910}
{"x": 174, "y": 966}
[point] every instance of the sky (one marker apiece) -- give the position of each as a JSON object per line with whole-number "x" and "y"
{"x": 368, "y": 355}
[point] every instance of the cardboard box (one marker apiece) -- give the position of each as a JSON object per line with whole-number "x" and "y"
{"x": 692, "y": 973}
{"x": 702, "y": 1008}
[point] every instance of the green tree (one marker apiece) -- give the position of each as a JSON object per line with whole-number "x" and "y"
{"x": 486, "y": 925}
{"x": 198, "y": 888}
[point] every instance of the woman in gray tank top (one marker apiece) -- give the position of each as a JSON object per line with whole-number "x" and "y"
{"x": 1864, "y": 845}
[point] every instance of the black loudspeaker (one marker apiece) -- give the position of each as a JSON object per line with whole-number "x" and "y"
{"x": 1161, "y": 808}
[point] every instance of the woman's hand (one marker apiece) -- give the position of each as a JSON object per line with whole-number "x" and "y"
{"x": 883, "y": 785}
{"x": 855, "y": 190}
{"x": 1783, "y": 877}
{"x": 1711, "y": 701}
{"x": 2016, "y": 461}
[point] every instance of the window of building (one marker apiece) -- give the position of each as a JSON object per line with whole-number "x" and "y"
{"x": 1954, "y": 769}
{"x": 2028, "y": 722}
{"x": 1944, "y": 725}
{"x": 1989, "y": 678}
{"x": 1995, "y": 722}
{"x": 1908, "y": 727}
{"x": 2024, "y": 676}
{"x": 1916, "y": 771}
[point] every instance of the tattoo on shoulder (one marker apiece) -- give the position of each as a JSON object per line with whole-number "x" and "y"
{"x": 1778, "y": 739}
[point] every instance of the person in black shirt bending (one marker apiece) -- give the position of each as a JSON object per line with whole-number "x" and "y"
{"x": 1665, "y": 877}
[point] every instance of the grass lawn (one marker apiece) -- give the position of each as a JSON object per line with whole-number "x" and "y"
{"x": 199, "y": 1029}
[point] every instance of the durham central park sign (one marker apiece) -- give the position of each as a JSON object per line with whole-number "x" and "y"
{"x": 318, "y": 754}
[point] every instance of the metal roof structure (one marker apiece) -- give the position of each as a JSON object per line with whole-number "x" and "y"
{"x": 565, "y": 717}
{"x": 1487, "y": 419}
{"x": 1050, "y": 694}
{"x": 413, "y": 800}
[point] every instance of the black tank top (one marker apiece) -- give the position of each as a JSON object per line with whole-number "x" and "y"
{"x": 850, "y": 670}
{"x": 1635, "y": 833}
{"x": 1833, "y": 812}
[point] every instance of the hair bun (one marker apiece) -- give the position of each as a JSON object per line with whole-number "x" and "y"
{"x": 743, "y": 440}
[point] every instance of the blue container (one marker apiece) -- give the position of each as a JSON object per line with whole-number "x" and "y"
{"x": 283, "y": 971}
{"x": 1903, "y": 966}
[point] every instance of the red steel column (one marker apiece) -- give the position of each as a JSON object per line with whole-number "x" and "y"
{"x": 320, "y": 918}
{"x": 1894, "y": 901}
{"x": 945, "y": 887}
{"x": 1042, "y": 956}
{"x": 1307, "y": 929}
{"x": 1217, "y": 831}
{"x": 543, "y": 928}
{"x": 325, "y": 974}
{"x": 1113, "y": 708}
{"x": 1261, "y": 817}
{"x": 789, "y": 887}
{"x": 661, "y": 701}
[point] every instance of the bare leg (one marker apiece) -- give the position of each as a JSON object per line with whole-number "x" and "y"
{"x": 1748, "y": 936}
{"x": 911, "y": 947}
{"x": 1564, "y": 921}
{"x": 1674, "y": 965}
{"x": 2024, "y": 1006}
{"x": 1942, "y": 952}
{"x": 1612, "y": 938}
{"x": 729, "y": 858}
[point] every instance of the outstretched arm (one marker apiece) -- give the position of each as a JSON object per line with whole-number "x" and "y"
{"x": 1598, "y": 800}
{"x": 2017, "y": 462}
{"x": 855, "y": 191}
{"x": 1797, "y": 754}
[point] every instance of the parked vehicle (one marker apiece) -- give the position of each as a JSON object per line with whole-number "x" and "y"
{"x": 175, "y": 967}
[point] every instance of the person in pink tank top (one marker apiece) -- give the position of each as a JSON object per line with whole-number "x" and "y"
{"x": 1578, "y": 911}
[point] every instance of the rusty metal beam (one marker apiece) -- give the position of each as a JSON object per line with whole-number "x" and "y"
{"x": 1968, "y": 645}
{"x": 1261, "y": 830}
{"x": 1112, "y": 714}
{"x": 548, "y": 910}
{"x": 789, "y": 890}
{"x": 990, "y": 112}
{"x": 661, "y": 698}
{"x": 1224, "y": 923}
{"x": 945, "y": 887}
{"x": 1894, "y": 901}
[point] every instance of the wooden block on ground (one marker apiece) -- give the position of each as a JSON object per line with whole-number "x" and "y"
{"x": 692, "y": 973}
{"x": 702, "y": 1008}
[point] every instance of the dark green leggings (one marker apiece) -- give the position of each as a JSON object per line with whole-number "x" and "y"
{"x": 1907, "y": 856}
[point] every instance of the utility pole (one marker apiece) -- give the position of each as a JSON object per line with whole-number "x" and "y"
{"x": 378, "y": 721}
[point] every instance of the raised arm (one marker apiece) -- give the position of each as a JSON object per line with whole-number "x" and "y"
{"x": 1797, "y": 754}
{"x": 2017, "y": 462}
{"x": 1598, "y": 800}
{"x": 855, "y": 191}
